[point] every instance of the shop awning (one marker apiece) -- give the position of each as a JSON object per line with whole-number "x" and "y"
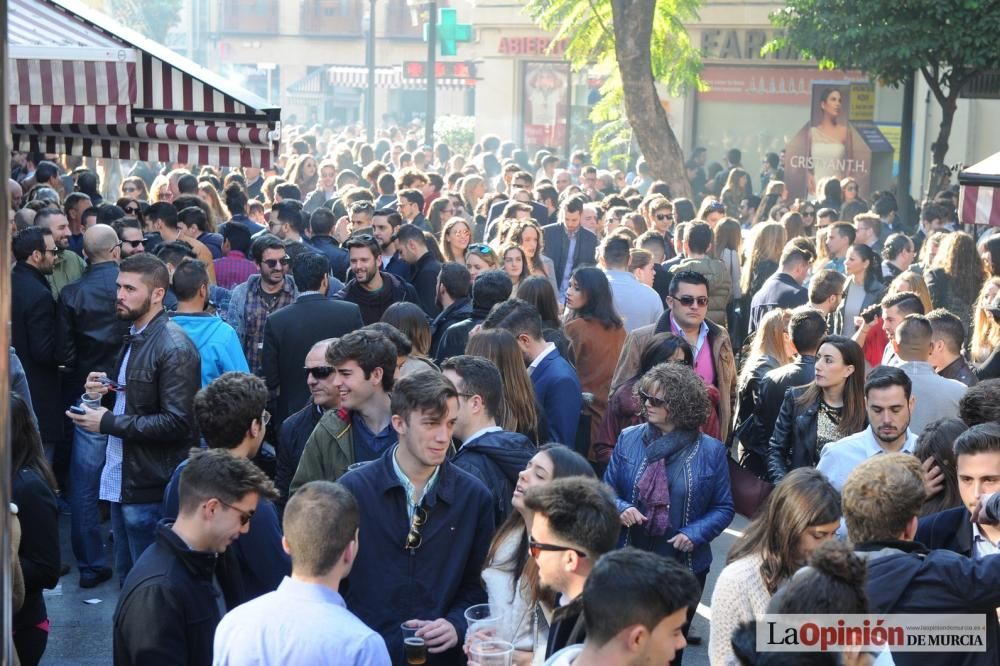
{"x": 82, "y": 84}
{"x": 356, "y": 76}
{"x": 979, "y": 199}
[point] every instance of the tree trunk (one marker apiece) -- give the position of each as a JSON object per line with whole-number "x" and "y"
{"x": 633, "y": 28}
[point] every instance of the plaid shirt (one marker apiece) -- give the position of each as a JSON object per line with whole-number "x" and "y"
{"x": 254, "y": 316}
{"x": 233, "y": 269}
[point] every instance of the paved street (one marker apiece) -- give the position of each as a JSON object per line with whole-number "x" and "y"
{"x": 81, "y": 632}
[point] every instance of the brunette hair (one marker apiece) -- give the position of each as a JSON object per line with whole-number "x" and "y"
{"x": 600, "y": 305}
{"x": 519, "y": 413}
{"x": 853, "y": 417}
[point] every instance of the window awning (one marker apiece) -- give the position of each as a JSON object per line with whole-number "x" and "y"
{"x": 82, "y": 84}
{"x": 979, "y": 196}
{"x": 356, "y": 76}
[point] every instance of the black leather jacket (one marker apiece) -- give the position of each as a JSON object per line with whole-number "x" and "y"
{"x": 88, "y": 331}
{"x": 793, "y": 443}
{"x": 771, "y": 393}
{"x": 158, "y": 427}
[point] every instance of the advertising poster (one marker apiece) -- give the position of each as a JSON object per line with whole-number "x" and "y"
{"x": 546, "y": 95}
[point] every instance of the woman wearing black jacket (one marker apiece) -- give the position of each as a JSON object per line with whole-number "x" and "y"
{"x": 33, "y": 491}
{"x": 829, "y": 408}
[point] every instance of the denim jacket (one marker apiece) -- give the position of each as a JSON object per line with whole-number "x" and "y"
{"x": 701, "y": 501}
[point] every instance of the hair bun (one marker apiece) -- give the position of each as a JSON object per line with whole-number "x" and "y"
{"x": 837, "y": 560}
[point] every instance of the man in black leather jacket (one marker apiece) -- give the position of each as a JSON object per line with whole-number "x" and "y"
{"x": 150, "y": 427}
{"x": 89, "y": 335}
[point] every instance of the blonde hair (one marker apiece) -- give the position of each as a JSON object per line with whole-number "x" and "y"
{"x": 916, "y": 284}
{"x": 768, "y": 340}
{"x": 985, "y": 331}
{"x": 445, "y": 245}
{"x": 214, "y": 205}
{"x": 468, "y": 185}
{"x": 934, "y": 240}
{"x": 767, "y": 244}
{"x": 154, "y": 189}
{"x": 638, "y": 258}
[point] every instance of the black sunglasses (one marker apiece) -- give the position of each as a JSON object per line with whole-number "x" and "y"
{"x": 273, "y": 263}
{"x": 319, "y": 372}
{"x": 688, "y": 301}
{"x": 651, "y": 399}
{"x": 413, "y": 538}
{"x": 132, "y": 244}
{"x": 536, "y": 547}
{"x": 665, "y": 216}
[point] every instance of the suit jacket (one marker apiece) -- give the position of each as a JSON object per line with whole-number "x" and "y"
{"x": 559, "y": 393}
{"x": 557, "y": 248}
{"x": 33, "y": 336}
{"x": 289, "y": 334}
{"x": 538, "y": 211}
{"x": 947, "y": 530}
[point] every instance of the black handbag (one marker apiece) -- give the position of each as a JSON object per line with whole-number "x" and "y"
{"x": 749, "y": 490}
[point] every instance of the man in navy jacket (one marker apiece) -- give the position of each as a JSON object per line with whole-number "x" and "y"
{"x": 557, "y": 387}
{"x": 426, "y": 527}
{"x": 783, "y": 289}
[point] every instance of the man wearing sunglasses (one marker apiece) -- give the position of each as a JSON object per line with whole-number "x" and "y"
{"x": 574, "y": 522}
{"x": 171, "y": 603}
{"x": 429, "y": 526}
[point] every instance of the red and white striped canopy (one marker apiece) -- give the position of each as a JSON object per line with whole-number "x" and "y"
{"x": 979, "y": 198}
{"x": 356, "y": 76}
{"x": 90, "y": 86}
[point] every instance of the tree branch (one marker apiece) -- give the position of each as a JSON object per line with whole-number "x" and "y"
{"x": 604, "y": 27}
{"x": 933, "y": 84}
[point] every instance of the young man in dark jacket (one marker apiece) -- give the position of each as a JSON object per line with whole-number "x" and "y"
{"x": 881, "y": 499}
{"x": 150, "y": 426}
{"x": 426, "y": 527}
{"x": 488, "y": 452}
{"x": 453, "y": 286}
{"x": 371, "y": 289}
{"x": 170, "y": 604}
{"x": 490, "y": 288}
{"x": 424, "y": 268}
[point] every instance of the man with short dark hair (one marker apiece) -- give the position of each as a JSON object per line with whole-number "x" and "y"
{"x": 889, "y": 403}
{"x": 150, "y": 426}
{"x": 637, "y": 304}
{"x": 384, "y": 224}
{"x": 364, "y": 365}
{"x": 170, "y": 605}
{"x": 411, "y": 208}
{"x": 575, "y": 522}
{"x": 882, "y": 499}
{"x": 895, "y": 308}
{"x": 489, "y": 289}
{"x": 234, "y": 268}
{"x": 371, "y": 289}
{"x": 947, "y": 339}
{"x": 287, "y": 340}
{"x": 163, "y": 218}
{"x": 453, "y": 286}
{"x": 488, "y": 452}
{"x": 68, "y": 266}
{"x": 825, "y": 291}
{"x": 252, "y": 301}
{"x": 217, "y": 342}
{"x": 321, "y": 224}
{"x": 567, "y": 243}
{"x": 192, "y": 222}
{"x": 937, "y": 397}
{"x": 697, "y": 241}
{"x": 932, "y": 218}
{"x": 635, "y": 604}
{"x": 557, "y": 387}
{"x": 74, "y": 206}
{"x": 306, "y": 621}
{"x": 981, "y": 403}
{"x": 842, "y": 235}
{"x": 784, "y": 288}
{"x": 418, "y": 499}
{"x": 424, "y": 267}
{"x": 287, "y": 192}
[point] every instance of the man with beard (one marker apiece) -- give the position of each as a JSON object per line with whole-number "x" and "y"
{"x": 252, "y": 301}
{"x": 384, "y": 224}
{"x": 68, "y": 266}
{"x": 371, "y": 289}
{"x": 889, "y": 405}
{"x": 150, "y": 425}
{"x": 130, "y": 237}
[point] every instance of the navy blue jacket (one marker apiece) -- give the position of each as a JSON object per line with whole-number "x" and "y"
{"x": 340, "y": 260}
{"x": 558, "y": 391}
{"x": 255, "y": 563}
{"x": 292, "y": 438}
{"x": 701, "y": 501}
{"x": 440, "y": 578}
{"x": 950, "y": 530}
{"x": 778, "y": 291}
{"x": 496, "y": 459}
{"x": 904, "y": 577}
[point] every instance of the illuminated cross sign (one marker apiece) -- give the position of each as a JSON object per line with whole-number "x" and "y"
{"x": 450, "y": 31}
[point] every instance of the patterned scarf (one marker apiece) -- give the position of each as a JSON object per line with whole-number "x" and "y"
{"x": 653, "y": 486}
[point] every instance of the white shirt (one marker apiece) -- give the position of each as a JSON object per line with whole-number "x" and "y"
{"x": 838, "y": 459}
{"x": 549, "y": 348}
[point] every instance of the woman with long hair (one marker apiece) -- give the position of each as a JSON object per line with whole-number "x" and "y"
{"x": 833, "y": 197}
{"x": 480, "y": 257}
{"x": 990, "y": 252}
{"x": 538, "y": 292}
{"x": 410, "y": 320}
{"x": 511, "y": 574}
{"x": 956, "y": 276}
{"x": 304, "y": 173}
{"x": 910, "y": 281}
{"x": 768, "y": 240}
{"x": 440, "y": 211}
{"x": 794, "y": 226}
{"x": 134, "y": 187}
{"x": 683, "y": 211}
{"x": 936, "y": 441}
{"x": 928, "y": 251}
{"x": 849, "y": 189}
{"x": 520, "y": 407}
{"x": 727, "y": 246}
{"x": 863, "y": 287}
{"x": 773, "y": 196}
{"x": 528, "y": 235}
{"x": 597, "y": 333}
{"x": 515, "y": 264}
{"x": 473, "y": 188}
{"x": 160, "y": 190}
{"x": 829, "y": 408}
{"x": 802, "y": 513}
{"x": 456, "y": 235}
{"x": 735, "y": 191}
{"x": 208, "y": 194}
{"x": 33, "y": 490}
{"x": 986, "y": 330}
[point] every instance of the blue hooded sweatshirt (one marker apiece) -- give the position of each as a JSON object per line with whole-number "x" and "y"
{"x": 217, "y": 343}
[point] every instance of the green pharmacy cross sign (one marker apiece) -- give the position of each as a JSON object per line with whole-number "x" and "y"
{"x": 450, "y": 31}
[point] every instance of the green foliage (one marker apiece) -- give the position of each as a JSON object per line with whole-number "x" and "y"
{"x": 586, "y": 25}
{"x": 152, "y": 18}
{"x": 459, "y": 132}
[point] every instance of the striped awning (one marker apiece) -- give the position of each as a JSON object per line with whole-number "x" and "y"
{"x": 97, "y": 88}
{"x": 979, "y": 196}
{"x": 356, "y": 76}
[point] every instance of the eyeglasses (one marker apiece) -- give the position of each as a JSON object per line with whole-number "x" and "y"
{"x": 688, "y": 301}
{"x": 54, "y": 251}
{"x": 273, "y": 263}
{"x": 480, "y": 248}
{"x": 651, "y": 399}
{"x": 132, "y": 244}
{"x": 665, "y": 216}
{"x": 265, "y": 418}
{"x": 319, "y": 372}
{"x": 413, "y": 538}
{"x": 245, "y": 516}
{"x": 536, "y": 547}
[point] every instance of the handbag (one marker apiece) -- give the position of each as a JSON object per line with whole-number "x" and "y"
{"x": 749, "y": 491}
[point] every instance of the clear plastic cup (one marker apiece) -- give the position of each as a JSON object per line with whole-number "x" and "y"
{"x": 91, "y": 400}
{"x": 491, "y": 653}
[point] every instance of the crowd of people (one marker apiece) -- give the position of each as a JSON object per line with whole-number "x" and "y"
{"x": 332, "y": 407}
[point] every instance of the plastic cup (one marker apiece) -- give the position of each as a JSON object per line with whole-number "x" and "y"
{"x": 91, "y": 400}
{"x": 414, "y": 647}
{"x": 491, "y": 653}
{"x": 481, "y": 624}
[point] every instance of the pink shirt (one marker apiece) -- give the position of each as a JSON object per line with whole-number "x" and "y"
{"x": 703, "y": 364}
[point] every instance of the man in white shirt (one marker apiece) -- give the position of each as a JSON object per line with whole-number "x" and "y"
{"x": 938, "y": 396}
